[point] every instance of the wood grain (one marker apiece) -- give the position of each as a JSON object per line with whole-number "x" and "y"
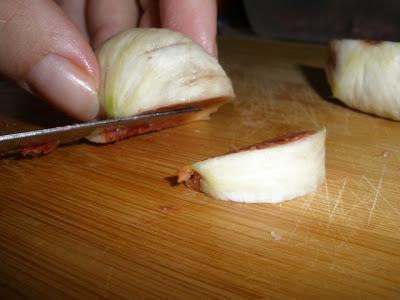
{"x": 108, "y": 221}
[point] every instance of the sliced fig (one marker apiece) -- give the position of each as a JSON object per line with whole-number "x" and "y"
{"x": 151, "y": 69}
{"x": 270, "y": 172}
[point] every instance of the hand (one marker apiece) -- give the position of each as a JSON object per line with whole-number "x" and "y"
{"x": 46, "y": 45}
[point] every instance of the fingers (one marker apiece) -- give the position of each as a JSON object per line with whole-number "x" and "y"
{"x": 106, "y": 18}
{"x": 195, "y": 18}
{"x": 75, "y": 10}
{"x": 43, "y": 51}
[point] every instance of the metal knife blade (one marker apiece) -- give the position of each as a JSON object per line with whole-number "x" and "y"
{"x": 71, "y": 133}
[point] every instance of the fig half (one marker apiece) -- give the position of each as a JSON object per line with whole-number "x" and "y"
{"x": 270, "y": 172}
{"x": 151, "y": 69}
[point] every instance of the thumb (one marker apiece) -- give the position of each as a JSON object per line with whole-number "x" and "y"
{"x": 45, "y": 53}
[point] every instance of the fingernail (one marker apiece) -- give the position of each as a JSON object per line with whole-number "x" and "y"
{"x": 211, "y": 48}
{"x": 66, "y": 86}
{"x": 214, "y": 49}
{"x": 209, "y": 44}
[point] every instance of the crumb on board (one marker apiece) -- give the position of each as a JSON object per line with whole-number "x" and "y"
{"x": 385, "y": 154}
{"x": 276, "y": 236}
{"x": 168, "y": 208}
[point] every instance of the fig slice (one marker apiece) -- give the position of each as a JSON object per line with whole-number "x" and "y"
{"x": 280, "y": 169}
{"x": 365, "y": 75}
{"x": 148, "y": 69}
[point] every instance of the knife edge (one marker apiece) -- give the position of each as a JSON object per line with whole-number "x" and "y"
{"x": 75, "y": 132}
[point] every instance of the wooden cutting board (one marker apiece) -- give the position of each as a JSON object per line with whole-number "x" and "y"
{"x": 109, "y": 221}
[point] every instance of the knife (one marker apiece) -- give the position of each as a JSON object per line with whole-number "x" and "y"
{"x": 71, "y": 133}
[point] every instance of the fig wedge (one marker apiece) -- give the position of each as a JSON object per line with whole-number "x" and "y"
{"x": 365, "y": 75}
{"x": 152, "y": 69}
{"x": 280, "y": 169}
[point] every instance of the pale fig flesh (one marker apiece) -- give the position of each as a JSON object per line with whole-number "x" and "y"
{"x": 365, "y": 75}
{"x": 270, "y": 172}
{"x": 150, "y": 69}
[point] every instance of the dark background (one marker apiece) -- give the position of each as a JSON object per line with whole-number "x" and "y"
{"x": 311, "y": 20}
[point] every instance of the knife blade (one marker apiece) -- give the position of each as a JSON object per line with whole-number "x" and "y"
{"x": 71, "y": 133}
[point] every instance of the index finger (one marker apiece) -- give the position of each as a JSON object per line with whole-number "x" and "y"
{"x": 195, "y": 18}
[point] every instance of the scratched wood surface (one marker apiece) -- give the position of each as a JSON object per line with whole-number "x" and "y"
{"x": 108, "y": 221}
